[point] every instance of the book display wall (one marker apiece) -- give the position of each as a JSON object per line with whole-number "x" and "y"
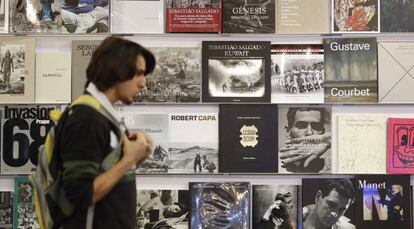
{"x": 264, "y": 113}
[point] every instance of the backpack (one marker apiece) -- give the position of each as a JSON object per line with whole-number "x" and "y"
{"x": 51, "y": 204}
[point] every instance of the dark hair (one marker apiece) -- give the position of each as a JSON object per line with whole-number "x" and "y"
{"x": 115, "y": 61}
{"x": 343, "y": 186}
{"x": 325, "y": 116}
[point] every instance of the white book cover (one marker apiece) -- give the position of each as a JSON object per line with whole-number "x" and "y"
{"x": 193, "y": 143}
{"x": 395, "y": 72}
{"x": 137, "y": 16}
{"x": 53, "y": 78}
{"x": 362, "y": 143}
{"x": 17, "y": 74}
{"x": 157, "y": 126}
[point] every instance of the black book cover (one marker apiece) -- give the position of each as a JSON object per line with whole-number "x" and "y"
{"x": 220, "y": 205}
{"x": 249, "y": 16}
{"x": 273, "y": 203}
{"x": 351, "y": 70}
{"x": 236, "y": 71}
{"x": 383, "y": 201}
{"x": 248, "y": 138}
{"x": 328, "y": 203}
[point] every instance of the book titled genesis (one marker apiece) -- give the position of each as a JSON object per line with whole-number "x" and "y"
{"x": 193, "y": 143}
{"x": 197, "y": 16}
{"x": 82, "y": 51}
{"x": 350, "y": 70}
{"x": 383, "y": 201}
{"x": 24, "y": 129}
{"x": 220, "y": 205}
{"x": 248, "y": 138}
{"x": 401, "y": 145}
{"x": 249, "y": 16}
{"x": 281, "y": 201}
{"x": 236, "y": 71}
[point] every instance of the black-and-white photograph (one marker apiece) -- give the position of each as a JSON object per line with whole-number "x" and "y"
{"x": 196, "y": 152}
{"x": 158, "y": 127}
{"x": 176, "y": 77}
{"x": 59, "y": 16}
{"x": 24, "y": 209}
{"x": 162, "y": 209}
{"x": 220, "y": 205}
{"x": 6, "y": 210}
{"x": 297, "y": 74}
{"x": 194, "y": 3}
{"x": 12, "y": 69}
{"x": 328, "y": 203}
{"x": 304, "y": 139}
{"x": 275, "y": 206}
{"x": 2, "y": 8}
{"x": 236, "y": 77}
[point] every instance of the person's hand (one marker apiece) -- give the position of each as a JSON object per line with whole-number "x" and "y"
{"x": 137, "y": 146}
{"x": 278, "y": 221}
{"x": 304, "y": 150}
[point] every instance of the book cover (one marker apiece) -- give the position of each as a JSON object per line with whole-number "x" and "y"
{"x": 248, "y": 136}
{"x": 126, "y": 20}
{"x": 53, "y": 69}
{"x": 24, "y": 215}
{"x": 6, "y": 210}
{"x": 383, "y": 201}
{"x": 275, "y": 206}
{"x": 297, "y": 73}
{"x": 400, "y": 145}
{"x": 4, "y": 16}
{"x": 328, "y": 203}
{"x": 193, "y": 143}
{"x": 304, "y": 136}
{"x": 24, "y": 130}
{"x": 302, "y": 16}
{"x": 362, "y": 143}
{"x": 351, "y": 70}
{"x": 17, "y": 69}
{"x": 65, "y": 16}
{"x": 220, "y": 205}
{"x": 196, "y": 16}
{"x": 82, "y": 51}
{"x": 236, "y": 71}
{"x": 397, "y": 16}
{"x": 176, "y": 77}
{"x": 158, "y": 208}
{"x": 249, "y": 16}
{"x": 355, "y": 16}
{"x": 395, "y": 72}
{"x": 157, "y": 126}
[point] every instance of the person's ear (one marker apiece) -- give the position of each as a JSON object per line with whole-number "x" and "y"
{"x": 318, "y": 197}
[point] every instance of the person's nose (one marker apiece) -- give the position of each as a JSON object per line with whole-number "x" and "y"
{"x": 309, "y": 130}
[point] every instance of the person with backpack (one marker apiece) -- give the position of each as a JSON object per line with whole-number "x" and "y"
{"x": 102, "y": 194}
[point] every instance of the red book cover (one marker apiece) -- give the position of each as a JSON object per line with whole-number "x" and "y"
{"x": 401, "y": 145}
{"x": 193, "y": 16}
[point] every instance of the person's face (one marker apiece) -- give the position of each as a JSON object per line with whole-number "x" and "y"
{"x": 127, "y": 90}
{"x": 395, "y": 189}
{"x": 331, "y": 207}
{"x": 307, "y": 123}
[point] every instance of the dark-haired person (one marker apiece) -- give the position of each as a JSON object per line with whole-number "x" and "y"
{"x": 307, "y": 141}
{"x": 332, "y": 200}
{"x": 116, "y": 72}
{"x": 277, "y": 216}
